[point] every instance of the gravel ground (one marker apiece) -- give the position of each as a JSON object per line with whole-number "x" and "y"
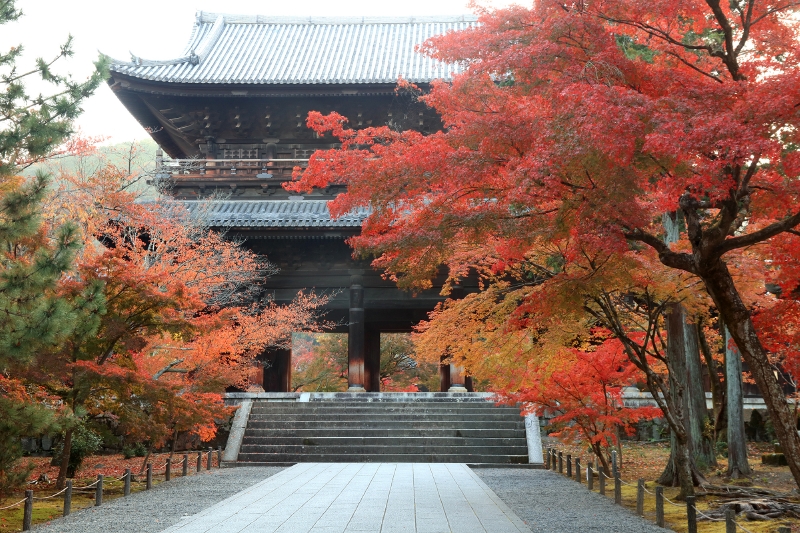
{"x": 161, "y": 507}
{"x": 550, "y": 503}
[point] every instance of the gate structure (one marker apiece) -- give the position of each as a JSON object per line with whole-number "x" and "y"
{"x": 230, "y": 112}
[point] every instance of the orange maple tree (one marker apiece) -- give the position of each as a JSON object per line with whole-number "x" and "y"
{"x": 182, "y": 317}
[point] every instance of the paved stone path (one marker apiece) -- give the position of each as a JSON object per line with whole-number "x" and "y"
{"x": 361, "y": 497}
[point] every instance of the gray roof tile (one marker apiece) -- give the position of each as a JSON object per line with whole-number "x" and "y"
{"x": 241, "y": 49}
{"x": 273, "y": 214}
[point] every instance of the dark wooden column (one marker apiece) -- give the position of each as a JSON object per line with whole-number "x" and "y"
{"x": 444, "y": 377}
{"x": 278, "y": 370}
{"x": 457, "y": 380}
{"x": 355, "y": 339}
{"x": 372, "y": 360}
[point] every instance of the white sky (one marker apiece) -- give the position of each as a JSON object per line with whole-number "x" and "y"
{"x": 159, "y": 29}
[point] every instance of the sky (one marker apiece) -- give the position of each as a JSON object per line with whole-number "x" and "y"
{"x": 159, "y": 29}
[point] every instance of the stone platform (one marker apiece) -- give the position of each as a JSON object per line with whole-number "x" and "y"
{"x": 357, "y": 497}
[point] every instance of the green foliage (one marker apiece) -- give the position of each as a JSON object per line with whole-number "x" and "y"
{"x": 33, "y": 316}
{"x": 32, "y": 126}
{"x": 137, "y": 449}
{"x": 85, "y": 442}
{"x": 20, "y": 419}
{"x": 634, "y": 50}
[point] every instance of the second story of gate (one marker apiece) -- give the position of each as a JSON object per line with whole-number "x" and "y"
{"x": 230, "y": 111}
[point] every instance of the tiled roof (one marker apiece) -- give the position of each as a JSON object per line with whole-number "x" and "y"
{"x": 272, "y": 214}
{"x": 311, "y": 50}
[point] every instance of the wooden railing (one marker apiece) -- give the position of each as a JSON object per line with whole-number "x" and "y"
{"x": 248, "y": 168}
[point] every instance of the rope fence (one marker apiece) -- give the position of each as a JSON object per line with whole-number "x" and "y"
{"x": 556, "y": 460}
{"x": 127, "y": 479}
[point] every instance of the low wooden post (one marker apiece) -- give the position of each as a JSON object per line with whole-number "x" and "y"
{"x": 614, "y": 469}
{"x": 640, "y": 497}
{"x": 210, "y": 458}
{"x": 149, "y": 481}
{"x": 68, "y": 498}
{"x": 578, "y": 469}
{"x": 590, "y": 475}
{"x": 126, "y": 491}
{"x": 27, "y": 513}
{"x": 98, "y": 491}
{"x": 617, "y": 489}
{"x": 660, "y": 506}
{"x": 601, "y": 476}
{"x": 168, "y": 471}
{"x": 555, "y": 460}
{"x": 185, "y": 464}
{"x": 560, "y": 462}
{"x": 730, "y": 521}
{"x": 691, "y": 514}
{"x": 569, "y": 465}
{"x": 219, "y": 456}
{"x": 547, "y": 459}
{"x": 199, "y": 461}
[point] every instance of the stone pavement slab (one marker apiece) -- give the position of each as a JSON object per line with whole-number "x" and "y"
{"x": 361, "y": 497}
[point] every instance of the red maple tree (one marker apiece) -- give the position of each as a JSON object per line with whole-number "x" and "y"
{"x": 577, "y": 126}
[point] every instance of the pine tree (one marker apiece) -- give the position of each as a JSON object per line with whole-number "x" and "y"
{"x": 31, "y": 127}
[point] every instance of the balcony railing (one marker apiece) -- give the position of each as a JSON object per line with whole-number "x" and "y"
{"x": 232, "y": 168}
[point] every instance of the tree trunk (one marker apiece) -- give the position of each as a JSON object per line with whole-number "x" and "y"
{"x": 718, "y": 387}
{"x": 736, "y": 317}
{"x": 738, "y": 466}
{"x": 681, "y": 469}
{"x": 702, "y": 443}
{"x": 61, "y": 481}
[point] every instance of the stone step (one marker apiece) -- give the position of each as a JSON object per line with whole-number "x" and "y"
{"x": 386, "y": 432}
{"x": 267, "y": 458}
{"x": 381, "y": 441}
{"x": 381, "y": 424}
{"x": 398, "y": 447}
{"x": 307, "y": 408}
{"x": 377, "y": 417}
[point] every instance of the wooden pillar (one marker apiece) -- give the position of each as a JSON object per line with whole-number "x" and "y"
{"x": 444, "y": 377}
{"x": 457, "y": 379}
{"x": 372, "y": 360}
{"x": 355, "y": 339}
{"x": 278, "y": 370}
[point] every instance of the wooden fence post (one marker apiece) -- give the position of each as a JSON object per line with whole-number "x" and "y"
{"x": 185, "y": 464}
{"x": 126, "y": 491}
{"x": 569, "y": 465}
{"x": 617, "y": 489}
{"x": 560, "y": 462}
{"x": 555, "y": 460}
{"x": 68, "y": 498}
{"x": 730, "y": 521}
{"x": 640, "y": 497}
{"x": 601, "y": 476}
{"x": 27, "y": 513}
{"x": 547, "y": 459}
{"x": 98, "y": 491}
{"x": 578, "y": 469}
{"x": 614, "y": 469}
{"x": 660, "y": 506}
{"x": 219, "y": 456}
{"x": 149, "y": 481}
{"x": 691, "y": 514}
{"x": 590, "y": 475}
{"x": 168, "y": 471}
{"x": 210, "y": 458}
{"x": 199, "y": 461}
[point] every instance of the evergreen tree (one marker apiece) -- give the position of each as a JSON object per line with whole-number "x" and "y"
{"x": 32, "y": 126}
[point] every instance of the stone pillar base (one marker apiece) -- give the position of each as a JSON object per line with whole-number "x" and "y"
{"x": 457, "y": 388}
{"x": 356, "y": 388}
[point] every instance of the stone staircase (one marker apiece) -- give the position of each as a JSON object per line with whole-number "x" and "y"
{"x": 381, "y": 427}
